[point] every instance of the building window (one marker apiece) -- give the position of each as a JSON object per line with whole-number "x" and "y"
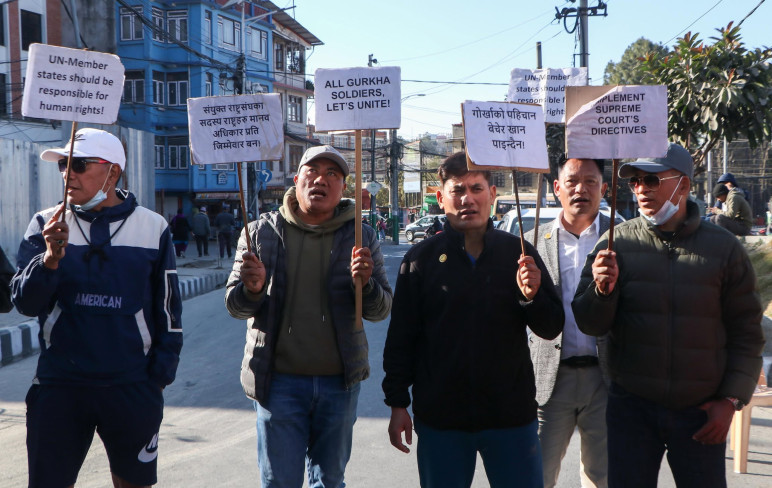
{"x": 134, "y": 87}
{"x": 207, "y": 27}
{"x": 2, "y": 26}
{"x": 177, "y": 22}
{"x": 3, "y": 94}
{"x": 131, "y": 25}
{"x": 31, "y": 29}
{"x": 224, "y": 167}
{"x": 278, "y": 56}
{"x": 294, "y": 108}
{"x": 258, "y": 43}
{"x": 158, "y": 88}
{"x": 295, "y": 60}
{"x": 158, "y": 22}
{"x": 177, "y": 88}
{"x": 208, "y": 85}
{"x": 229, "y": 33}
{"x": 160, "y": 162}
{"x": 295, "y": 153}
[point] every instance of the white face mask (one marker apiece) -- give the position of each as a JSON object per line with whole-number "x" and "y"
{"x": 667, "y": 210}
{"x": 100, "y": 197}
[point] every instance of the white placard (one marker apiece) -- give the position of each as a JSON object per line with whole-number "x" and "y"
{"x": 545, "y": 87}
{"x": 615, "y": 122}
{"x": 502, "y": 134}
{"x": 358, "y": 98}
{"x": 72, "y": 84}
{"x": 232, "y": 129}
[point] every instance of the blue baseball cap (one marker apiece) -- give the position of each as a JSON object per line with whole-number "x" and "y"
{"x": 677, "y": 158}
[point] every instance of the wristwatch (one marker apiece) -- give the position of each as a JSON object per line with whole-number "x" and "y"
{"x": 738, "y": 404}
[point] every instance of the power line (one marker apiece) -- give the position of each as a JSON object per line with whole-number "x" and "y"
{"x": 750, "y": 13}
{"x": 695, "y": 21}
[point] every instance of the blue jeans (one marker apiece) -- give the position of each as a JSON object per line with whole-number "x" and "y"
{"x": 446, "y": 458}
{"x": 307, "y": 419}
{"x": 639, "y": 432}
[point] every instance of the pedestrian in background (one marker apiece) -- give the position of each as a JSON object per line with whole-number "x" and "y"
{"x": 572, "y": 369}
{"x": 201, "y": 230}
{"x": 305, "y": 355}
{"x": 735, "y": 214}
{"x": 225, "y": 222}
{"x": 457, "y": 336}
{"x": 104, "y": 287}
{"x": 180, "y": 233}
{"x": 677, "y": 296}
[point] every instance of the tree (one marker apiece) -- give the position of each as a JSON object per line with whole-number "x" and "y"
{"x": 628, "y": 70}
{"x": 715, "y": 91}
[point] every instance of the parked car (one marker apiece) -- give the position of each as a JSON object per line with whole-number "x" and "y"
{"x": 419, "y": 227}
{"x": 546, "y": 216}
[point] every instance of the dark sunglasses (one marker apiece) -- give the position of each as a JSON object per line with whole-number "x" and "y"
{"x": 79, "y": 165}
{"x": 651, "y": 181}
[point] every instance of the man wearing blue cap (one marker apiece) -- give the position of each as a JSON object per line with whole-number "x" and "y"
{"x": 678, "y": 298}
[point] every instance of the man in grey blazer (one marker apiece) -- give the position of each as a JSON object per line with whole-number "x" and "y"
{"x": 571, "y": 370}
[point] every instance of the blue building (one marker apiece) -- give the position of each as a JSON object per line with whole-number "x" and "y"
{"x": 193, "y": 48}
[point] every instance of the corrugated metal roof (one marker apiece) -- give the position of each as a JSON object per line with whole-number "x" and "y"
{"x": 287, "y": 21}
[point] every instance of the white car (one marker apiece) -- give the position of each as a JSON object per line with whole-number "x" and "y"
{"x": 546, "y": 216}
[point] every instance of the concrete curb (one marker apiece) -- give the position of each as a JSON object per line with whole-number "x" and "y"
{"x": 21, "y": 340}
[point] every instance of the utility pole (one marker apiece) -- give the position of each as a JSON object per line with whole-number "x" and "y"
{"x": 394, "y": 187}
{"x": 370, "y": 61}
{"x": 581, "y": 15}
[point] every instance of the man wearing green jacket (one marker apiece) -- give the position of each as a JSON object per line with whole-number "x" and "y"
{"x": 735, "y": 214}
{"x": 677, "y": 296}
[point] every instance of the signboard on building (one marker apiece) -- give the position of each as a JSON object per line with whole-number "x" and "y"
{"x": 231, "y": 129}
{"x": 358, "y": 98}
{"x": 545, "y": 87}
{"x": 616, "y": 121}
{"x": 505, "y": 135}
{"x": 72, "y": 84}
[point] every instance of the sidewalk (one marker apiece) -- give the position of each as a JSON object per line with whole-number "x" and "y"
{"x": 18, "y": 333}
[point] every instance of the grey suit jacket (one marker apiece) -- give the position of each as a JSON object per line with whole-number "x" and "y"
{"x": 545, "y": 354}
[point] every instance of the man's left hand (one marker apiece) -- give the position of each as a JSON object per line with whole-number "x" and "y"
{"x": 361, "y": 264}
{"x": 528, "y": 276}
{"x": 720, "y": 413}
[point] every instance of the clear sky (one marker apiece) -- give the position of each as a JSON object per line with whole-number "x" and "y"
{"x": 481, "y": 42}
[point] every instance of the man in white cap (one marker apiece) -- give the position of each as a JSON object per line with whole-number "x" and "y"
{"x": 678, "y": 298}
{"x": 305, "y": 354}
{"x": 103, "y": 284}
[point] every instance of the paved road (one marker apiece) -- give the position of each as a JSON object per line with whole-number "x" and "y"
{"x": 208, "y": 433}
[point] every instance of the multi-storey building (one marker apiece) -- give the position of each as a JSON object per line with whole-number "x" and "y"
{"x": 193, "y": 48}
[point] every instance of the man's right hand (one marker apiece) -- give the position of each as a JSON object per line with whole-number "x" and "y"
{"x": 400, "y": 422}
{"x": 605, "y": 271}
{"x": 56, "y": 235}
{"x": 252, "y": 273}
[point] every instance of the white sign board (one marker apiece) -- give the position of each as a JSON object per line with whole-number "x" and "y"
{"x": 358, "y": 98}
{"x": 72, "y": 84}
{"x": 373, "y": 187}
{"x": 508, "y": 135}
{"x": 232, "y": 129}
{"x": 615, "y": 122}
{"x": 545, "y": 87}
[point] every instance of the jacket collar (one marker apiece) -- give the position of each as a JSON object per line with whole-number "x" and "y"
{"x": 111, "y": 214}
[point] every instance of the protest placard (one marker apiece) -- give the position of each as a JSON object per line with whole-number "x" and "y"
{"x": 616, "y": 121}
{"x": 72, "y": 84}
{"x": 545, "y": 87}
{"x": 231, "y": 129}
{"x": 358, "y": 98}
{"x": 505, "y": 135}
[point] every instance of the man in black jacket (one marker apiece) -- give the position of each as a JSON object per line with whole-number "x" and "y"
{"x": 458, "y": 336}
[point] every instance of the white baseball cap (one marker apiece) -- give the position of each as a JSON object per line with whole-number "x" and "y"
{"x": 90, "y": 143}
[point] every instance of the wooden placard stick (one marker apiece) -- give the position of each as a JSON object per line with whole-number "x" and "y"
{"x": 67, "y": 173}
{"x": 614, "y": 171}
{"x": 358, "y": 226}
{"x": 244, "y": 211}
{"x": 519, "y": 218}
